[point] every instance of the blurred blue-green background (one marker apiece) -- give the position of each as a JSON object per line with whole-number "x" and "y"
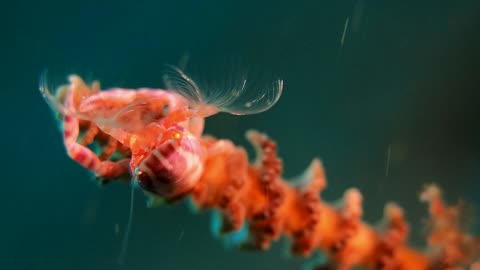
{"x": 401, "y": 77}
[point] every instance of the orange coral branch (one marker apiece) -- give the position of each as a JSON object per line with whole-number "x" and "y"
{"x": 165, "y": 153}
{"x": 255, "y": 194}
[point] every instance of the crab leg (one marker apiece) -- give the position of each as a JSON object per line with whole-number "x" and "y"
{"x": 86, "y": 157}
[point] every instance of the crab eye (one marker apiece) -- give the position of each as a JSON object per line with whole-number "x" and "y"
{"x": 176, "y": 135}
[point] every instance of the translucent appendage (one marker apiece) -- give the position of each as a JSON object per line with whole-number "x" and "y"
{"x": 54, "y": 102}
{"x": 139, "y": 114}
{"x": 77, "y": 88}
{"x": 237, "y": 94}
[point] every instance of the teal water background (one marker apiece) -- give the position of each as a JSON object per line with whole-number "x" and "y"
{"x": 405, "y": 78}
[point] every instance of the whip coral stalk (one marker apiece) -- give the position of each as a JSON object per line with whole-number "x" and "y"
{"x": 154, "y": 137}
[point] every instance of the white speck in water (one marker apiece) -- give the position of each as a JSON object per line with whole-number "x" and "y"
{"x": 181, "y": 235}
{"x": 116, "y": 229}
{"x": 389, "y": 152}
{"x": 345, "y": 27}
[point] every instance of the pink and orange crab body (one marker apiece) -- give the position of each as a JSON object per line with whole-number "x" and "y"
{"x": 166, "y": 156}
{"x": 154, "y": 133}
